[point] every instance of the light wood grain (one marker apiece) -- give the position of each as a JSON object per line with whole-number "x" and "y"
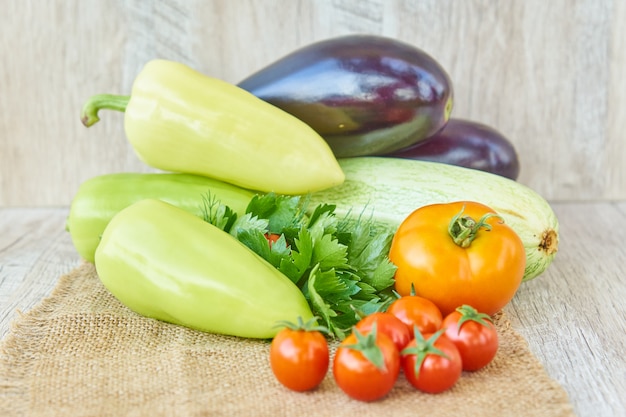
{"x": 572, "y": 316}
{"x": 549, "y": 75}
{"x": 35, "y": 250}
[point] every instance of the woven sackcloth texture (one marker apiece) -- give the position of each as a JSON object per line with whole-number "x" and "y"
{"x": 81, "y": 353}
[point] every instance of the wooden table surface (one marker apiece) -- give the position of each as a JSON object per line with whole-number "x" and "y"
{"x": 573, "y": 315}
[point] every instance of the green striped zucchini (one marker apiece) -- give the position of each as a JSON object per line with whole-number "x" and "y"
{"x": 389, "y": 189}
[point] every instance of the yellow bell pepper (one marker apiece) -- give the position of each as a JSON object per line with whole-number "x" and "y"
{"x": 180, "y": 120}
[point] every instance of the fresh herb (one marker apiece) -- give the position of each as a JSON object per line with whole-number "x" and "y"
{"x": 340, "y": 265}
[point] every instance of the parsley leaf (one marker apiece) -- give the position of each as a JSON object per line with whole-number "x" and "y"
{"x": 248, "y": 223}
{"x": 216, "y": 213}
{"x": 282, "y": 212}
{"x": 341, "y": 266}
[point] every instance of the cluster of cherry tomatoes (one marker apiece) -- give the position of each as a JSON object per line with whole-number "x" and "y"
{"x": 411, "y": 336}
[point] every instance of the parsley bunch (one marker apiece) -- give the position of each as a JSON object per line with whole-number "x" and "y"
{"x": 340, "y": 265}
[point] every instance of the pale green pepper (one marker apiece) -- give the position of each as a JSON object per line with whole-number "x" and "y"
{"x": 180, "y": 120}
{"x": 165, "y": 263}
{"x": 98, "y": 199}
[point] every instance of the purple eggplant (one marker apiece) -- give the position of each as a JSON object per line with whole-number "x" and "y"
{"x": 364, "y": 94}
{"x": 468, "y": 144}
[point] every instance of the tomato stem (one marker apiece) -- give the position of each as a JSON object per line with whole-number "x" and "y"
{"x": 469, "y": 313}
{"x": 366, "y": 344}
{"x": 464, "y": 229}
{"x": 423, "y": 347}
{"x": 309, "y": 326}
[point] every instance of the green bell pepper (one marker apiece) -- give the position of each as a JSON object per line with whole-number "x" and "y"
{"x": 165, "y": 263}
{"x": 100, "y": 198}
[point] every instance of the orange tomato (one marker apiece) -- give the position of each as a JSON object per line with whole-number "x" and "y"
{"x": 482, "y": 268}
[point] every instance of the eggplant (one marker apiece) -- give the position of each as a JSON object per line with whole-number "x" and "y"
{"x": 364, "y": 94}
{"x": 467, "y": 144}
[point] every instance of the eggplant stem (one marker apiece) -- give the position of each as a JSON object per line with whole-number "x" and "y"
{"x": 89, "y": 114}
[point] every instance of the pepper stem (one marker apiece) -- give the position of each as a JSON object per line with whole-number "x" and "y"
{"x": 464, "y": 229}
{"x": 89, "y": 114}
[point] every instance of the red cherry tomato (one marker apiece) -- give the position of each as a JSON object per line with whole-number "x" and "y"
{"x": 271, "y": 238}
{"x": 299, "y": 356}
{"x": 366, "y": 367}
{"x": 389, "y": 325}
{"x": 474, "y": 335}
{"x": 431, "y": 363}
{"x": 417, "y": 311}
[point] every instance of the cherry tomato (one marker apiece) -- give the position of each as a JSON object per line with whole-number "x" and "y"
{"x": 431, "y": 362}
{"x": 389, "y": 325}
{"x": 414, "y": 310}
{"x": 299, "y": 356}
{"x": 271, "y": 238}
{"x": 458, "y": 253}
{"x": 366, "y": 367}
{"x": 474, "y": 335}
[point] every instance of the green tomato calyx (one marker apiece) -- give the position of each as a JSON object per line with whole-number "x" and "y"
{"x": 366, "y": 344}
{"x": 308, "y": 326}
{"x": 464, "y": 229}
{"x": 469, "y": 313}
{"x": 423, "y": 347}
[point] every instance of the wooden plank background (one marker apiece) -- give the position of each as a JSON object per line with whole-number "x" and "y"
{"x": 550, "y": 75}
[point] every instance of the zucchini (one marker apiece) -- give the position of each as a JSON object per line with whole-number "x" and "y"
{"x": 389, "y": 189}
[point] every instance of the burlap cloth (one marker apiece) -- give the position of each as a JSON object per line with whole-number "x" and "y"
{"x": 81, "y": 353}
